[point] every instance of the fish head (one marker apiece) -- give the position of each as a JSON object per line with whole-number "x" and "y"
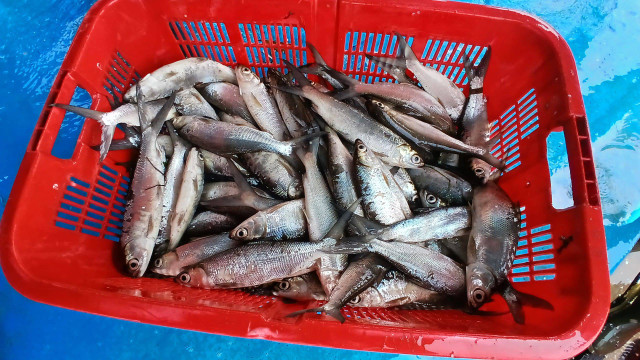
{"x": 193, "y": 277}
{"x": 136, "y": 258}
{"x": 480, "y": 284}
{"x": 292, "y": 288}
{"x": 250, "y": 229}
{"x": 481, "y": 169}
{"x": 408, "y": 157}
{"x": 245, "y": 75}
{"x": 364, "y": 156}
{"x": 167, "y": 264}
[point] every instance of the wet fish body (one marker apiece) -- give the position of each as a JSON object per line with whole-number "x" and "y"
{"x": 209, "y": 222}
{"x": 281, "y": 222}
{"x": 226, "y": 97}
{"x": 190, "y": 102}
{"x": 189, "y": 194}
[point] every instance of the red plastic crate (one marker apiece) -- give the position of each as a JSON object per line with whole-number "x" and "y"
{"x": 60, "y": 227}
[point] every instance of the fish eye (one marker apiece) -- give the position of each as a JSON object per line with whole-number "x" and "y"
{"x": 416, "y": 159}
{"x": 479, "y": 171}
{"x": 478, "y": 295}
{"x": 200, "y": 156}
{"x": 246, "y": 70}
{"x": 133, "y": 264}
{"x": 431, "y": 199}
{"x": 356, "y": 299}
{"x": 361, "y": 147}
{"x": 184, "y": 277}
{"x": 379, "y": 104}
{"x": 158, "y": 262}
{"x": 242, "y": 232}
{"x": 284, "y": 285}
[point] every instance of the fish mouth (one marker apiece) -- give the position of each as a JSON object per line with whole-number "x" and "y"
{"x": 477, "y": 297}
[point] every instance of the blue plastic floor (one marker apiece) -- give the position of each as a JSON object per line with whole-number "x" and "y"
{"x": 603, "y": 34}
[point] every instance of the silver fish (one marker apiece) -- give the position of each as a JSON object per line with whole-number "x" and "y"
{"x": 215, "y": 164}
{"x": 180, "y": 75}
{"x": 437, "y": 139}
{"x": 144, "y": 211}
{"x": 303, "y": 287}
{"x": 255, "y": 264}
{"x": 427, "y": 268}
{"x": 475, "y": 123}
{"x": 261, "y": 104}
{"x": 294, "y": 112}
{"x": 190, "y": 102}
{"x": 379, "y": 203}
{"x": 319, "y": 209}
{"x": 174, "y": 262}
{"x": 226, "y": 97}
{"x": 444, "y": 184}
{"x": 172, "y": 181}
{"x": 396, "y": 290}
{"x": 439, "y": 223}
{"x": 209, "y": 222}
{"x": 396, "y": 190}
{"x": 432, "y": 81}
{"x": 492, "y": 242}
{"x": 228, "y": 139}
{"x": 357, "y": 277}
{"x": 218, "y": 189}
{"x": 281, "y": 222}
{"x": 353, "y": 124}
{"x": 342, "y": 171}
{"x": 275, "y": 173}
{"x": 188, "y": 197}
{"x": 126, "y": 114}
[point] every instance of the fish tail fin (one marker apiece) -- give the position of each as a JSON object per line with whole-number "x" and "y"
{"x": 289, "y": 89}
{"x": 304, "y": 311}
{"x": 516, "y": 299}
{"x": 119, "y": 144}
{"x": 105, "y": 140}
{"x": 337, "y": 230}
{"x": 479, "y": 71}
{"x": 297, "y": 74}
{"x": 348, "y": 246}
{"x": 404, "y": 50}
{"x": 316, "y": 54}
{"x": 88, "y": 113}
{"x": 394, "y": 67}
{"x": 336, "y": 314}
{"x": 294, "y": 144}
{"x": 161, "y": 117}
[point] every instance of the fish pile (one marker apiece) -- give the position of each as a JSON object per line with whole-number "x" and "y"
{"x": 367, "y": 195}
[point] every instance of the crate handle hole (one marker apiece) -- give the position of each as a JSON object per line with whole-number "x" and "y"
{"x": 558, "y": 165}
{"x": 71, "y": 126}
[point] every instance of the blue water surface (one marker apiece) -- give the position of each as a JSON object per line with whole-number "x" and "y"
{"x": 603, "y": 34}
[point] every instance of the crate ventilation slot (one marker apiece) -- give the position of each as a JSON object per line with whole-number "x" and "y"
{"x": 535, "y": 259}
{"x": 513, "y": 126}
{"x": 442, "y": 55}
{"x": 95, "y": 209}
{"x": 120, "y": 76}
{"x": 204, "y": 39}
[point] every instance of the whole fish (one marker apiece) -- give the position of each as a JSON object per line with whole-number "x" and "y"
{"x": 281, "y": 222}
{"x": 172, "y": 181}
{"x": 126, "y": 114}
{"x": 255, "y": 264}
{"x": 180, "y": 75}
{"x": 437, "y": 139}
{"x": 190, "y": 102}
{"x": 445, "y": 185}
{"x": 396, "y": 290}
{"x": 188, "y": 197}
{"x": 432, "y": 81}
{"x": 379, "y": 203}
{"x": 226, "y": 97}
{"x": 409, "y": 98}
{"x": 218, "y": 189}
{"x": 441, "y": 223}
{"x": 294, "y": 112}
{"x": 492, "y": 247}
{"x": 342, "y": 171}
{"x": 475, "y": 122}
{"x": 402, "y": 178}
{"x": 353, "y": 124}
{"x": 228, "y": 139}
{"x": 423, "y": 148}
{"x": 144, "y": 211}
{"x": 261, "y": 104}
{"x": 209, "y": 222}
{"x": 174, "y": 262}
{"x": 357, "y": 277}
{"x": 303, "y": 287}
{"x": 427, "y": 268}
